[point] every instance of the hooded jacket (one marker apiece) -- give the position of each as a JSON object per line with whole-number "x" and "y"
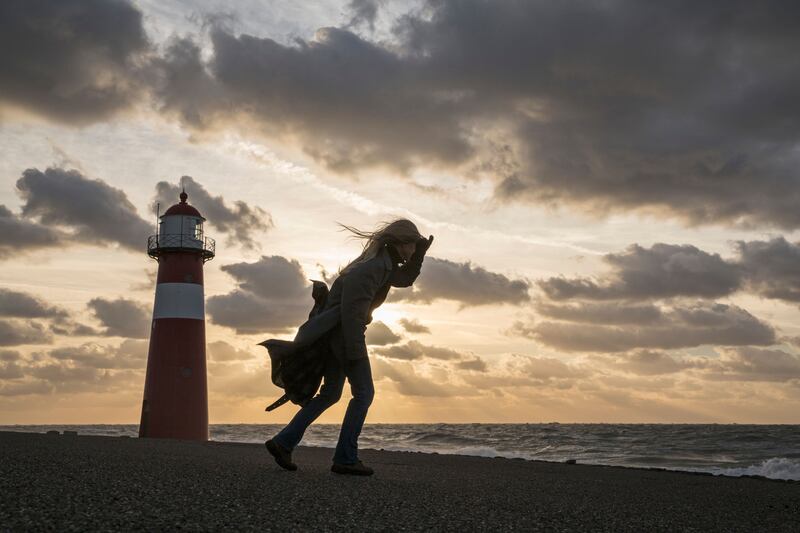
{"x": 337, "y": 323}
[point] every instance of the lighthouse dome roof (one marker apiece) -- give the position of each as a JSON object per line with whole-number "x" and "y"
{"x": 183, "y": 208}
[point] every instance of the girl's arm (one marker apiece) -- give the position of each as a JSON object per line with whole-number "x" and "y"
{"x": 406, "y": 274}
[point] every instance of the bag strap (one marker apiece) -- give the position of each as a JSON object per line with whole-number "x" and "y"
{"x": 277, "y": 403}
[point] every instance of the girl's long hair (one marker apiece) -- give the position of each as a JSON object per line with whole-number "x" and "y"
{"x": 397, "y": 231}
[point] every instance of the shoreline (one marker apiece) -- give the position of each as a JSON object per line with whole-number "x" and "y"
{"x": 545, "y": 461}
{"x": 104, "y": 482}
{"x": 711, "y": 470}
{"x": 576, "y": 462}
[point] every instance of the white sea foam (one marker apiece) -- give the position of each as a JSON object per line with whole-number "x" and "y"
{"x": 775, "y": 468}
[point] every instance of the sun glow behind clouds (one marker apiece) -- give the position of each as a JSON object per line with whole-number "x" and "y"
{"x": 390, "y": 315}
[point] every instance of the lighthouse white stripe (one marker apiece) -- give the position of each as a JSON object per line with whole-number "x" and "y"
{"x": 179, "y": 300}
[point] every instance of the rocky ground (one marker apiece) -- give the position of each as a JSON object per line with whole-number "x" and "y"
{"x": 62, "y": 482}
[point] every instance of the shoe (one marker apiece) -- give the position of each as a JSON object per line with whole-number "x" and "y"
{"x": 357, "y": 469}
{"x": 282, "y": 456}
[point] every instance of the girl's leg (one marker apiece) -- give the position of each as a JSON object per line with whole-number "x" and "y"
{"x": 329, "y": 394}
{"x": 359, "y": 374}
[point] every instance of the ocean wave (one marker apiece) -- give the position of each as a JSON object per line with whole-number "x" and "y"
{"x": 774, "y": 468}
{"x": 475, "y": 451}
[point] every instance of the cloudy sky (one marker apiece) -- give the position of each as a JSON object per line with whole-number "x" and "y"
{"x": 612, "y": 186}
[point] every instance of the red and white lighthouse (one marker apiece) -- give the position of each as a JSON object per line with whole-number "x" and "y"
{"x": 175, "y": 401}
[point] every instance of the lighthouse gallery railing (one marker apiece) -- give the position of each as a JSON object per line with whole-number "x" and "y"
{"x": 179, "y": 242}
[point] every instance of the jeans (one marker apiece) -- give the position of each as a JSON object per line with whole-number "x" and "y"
{"x": 359, "y": 374}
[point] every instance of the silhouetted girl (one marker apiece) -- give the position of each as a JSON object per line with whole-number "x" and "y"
{"x": 392, "y": 257}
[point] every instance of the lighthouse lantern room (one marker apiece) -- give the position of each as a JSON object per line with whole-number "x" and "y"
{"x": 181, "y": 228}
{"x": 175, "y": 403}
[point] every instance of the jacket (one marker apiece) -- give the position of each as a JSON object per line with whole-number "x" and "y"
{"x": 337, "y": 323}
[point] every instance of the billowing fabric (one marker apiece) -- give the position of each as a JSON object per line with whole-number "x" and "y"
{"x": 297, "y": 366}
{"x": 336, "y": 325}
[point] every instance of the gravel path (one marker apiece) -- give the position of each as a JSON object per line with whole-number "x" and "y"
{"x": 71, "y": 483}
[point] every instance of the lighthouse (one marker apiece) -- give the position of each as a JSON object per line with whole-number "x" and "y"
{"x": 175, "y": 403}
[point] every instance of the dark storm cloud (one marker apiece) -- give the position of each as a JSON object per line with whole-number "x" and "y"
{"x": 772, "y": 267}
{"x": 351, "y": 103}
{"x": 63, "y": 206}
{"x": 363, "y": 12}
{"x": 379, "y": 334}
{"x": 271, "y": 277}
{"x": 23, "y": 305}
{"x": 680, "y": 109}
{"x": 414, "y": 326}
{"x": 184, "y": 86}
{"x": 92, "y": 209}
{"x": 17, "y": 304}
{"x": 640, "y": 304}
{"x": 416, "y": 350}
{"x": 248, "y": 313}
{"x": 240, "y": 221}
{"x": 662, "y": 271}
{"x": 18, "y": 333}
{"x": 465, "y": 283}
{"x": 748, "y": 363}
{"x": 74, "y": 329}
{"x": 603, "y": 313}
{"x": 18, "y": 235}
{"x": 674, "y": 108}
{"x": 121, "y": 317}
{"x": 703, "y": 323}
{"x": 73, "y": 62}
{"x": 273, "y": 295}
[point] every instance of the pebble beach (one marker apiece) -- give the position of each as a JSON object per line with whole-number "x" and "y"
{"x": 68, "y": 482}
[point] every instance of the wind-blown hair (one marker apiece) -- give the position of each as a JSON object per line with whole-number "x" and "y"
{"x": 397, "y": 231}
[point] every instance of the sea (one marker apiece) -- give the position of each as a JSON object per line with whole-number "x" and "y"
{"x": 771, "y": 451}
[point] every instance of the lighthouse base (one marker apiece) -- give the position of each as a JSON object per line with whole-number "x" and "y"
{"x": 175, "y": 404}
